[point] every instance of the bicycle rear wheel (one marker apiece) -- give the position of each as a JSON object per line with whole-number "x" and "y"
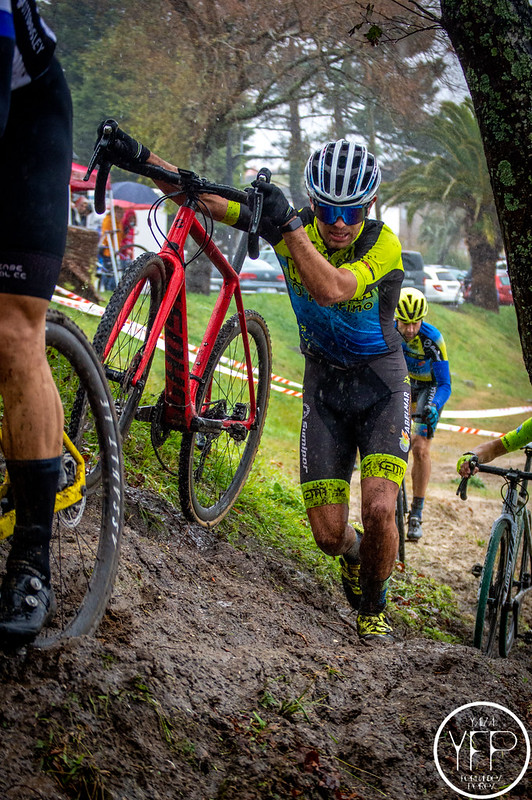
{"x": 213, "y": 467}
{"x": 490, "y": 593}
{"x": 133, "y": 306}
{"x": 521, "y": 580}
{"x": 85, "y": 543}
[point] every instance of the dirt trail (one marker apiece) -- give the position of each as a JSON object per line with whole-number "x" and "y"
{"x": 224, "y": 672}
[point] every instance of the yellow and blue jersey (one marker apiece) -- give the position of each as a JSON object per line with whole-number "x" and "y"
{"x": 427, "y": 363}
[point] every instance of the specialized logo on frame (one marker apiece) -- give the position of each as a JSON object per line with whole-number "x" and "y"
{"x": 482, "y": 750}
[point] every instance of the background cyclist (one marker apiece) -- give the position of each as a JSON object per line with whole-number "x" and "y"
{"x": 493, "y": 448}
{"x": 35, "y": 165}
{"x": 430, "y": 378}
{"x": 344, "y": 273}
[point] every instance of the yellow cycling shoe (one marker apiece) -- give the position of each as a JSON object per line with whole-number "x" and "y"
{"x": 374, "y": 628}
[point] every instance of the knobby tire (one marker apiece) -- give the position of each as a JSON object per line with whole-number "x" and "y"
{"x": 521, "y": 579}
{"x": 148, "y": 272}
{"x": 491, "y": 588}
{"x": 85, "y": 541}
{"x": 213, "y": 467}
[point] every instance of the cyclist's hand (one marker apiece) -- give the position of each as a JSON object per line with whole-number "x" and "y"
{"x": 123, "y": 147}
{"x": 275, "y": 206}
{"x": 430, "y": 416}
{"x": 463, "y": 466}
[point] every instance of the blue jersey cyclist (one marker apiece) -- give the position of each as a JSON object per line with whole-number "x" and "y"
{"x": 344, "y": 274}
{"x": 430, "y": 378}
{"x": 35, "y": 165}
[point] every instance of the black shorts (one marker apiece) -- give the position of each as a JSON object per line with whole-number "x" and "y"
{"x": 35, "y": 165}
{"x": 345, "y": 411}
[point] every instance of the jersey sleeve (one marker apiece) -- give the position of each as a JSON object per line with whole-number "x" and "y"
{"x": 381, "y": 259}
{"x": 522, "y": 435}
{"x": 442, "y": 376}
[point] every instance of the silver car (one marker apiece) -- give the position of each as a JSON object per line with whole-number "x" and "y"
{"x": 257, "y": 275}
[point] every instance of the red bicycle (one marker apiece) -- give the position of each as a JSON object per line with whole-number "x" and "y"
{"x": 206, "y": 421}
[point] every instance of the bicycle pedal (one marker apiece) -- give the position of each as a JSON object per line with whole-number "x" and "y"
{"x": 476, "y": 570}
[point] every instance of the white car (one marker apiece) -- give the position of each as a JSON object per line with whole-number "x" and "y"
{"x": 441, "y": 286}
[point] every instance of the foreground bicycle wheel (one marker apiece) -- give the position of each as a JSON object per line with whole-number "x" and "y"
{"x": 491, "y": 589}
{"x": 521, "y": 579}
{"x": 213, "y": 467}
{"x": 86, "y": 536}
{"x": 132, "y": 307}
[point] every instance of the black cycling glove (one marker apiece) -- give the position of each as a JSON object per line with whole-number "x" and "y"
{"x": 276, "y": 207}
{"x": 124, "y": 147}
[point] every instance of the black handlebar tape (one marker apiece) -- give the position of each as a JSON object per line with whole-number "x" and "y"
{"x": 101, "y": 186}
{"x": 462, "y": 489}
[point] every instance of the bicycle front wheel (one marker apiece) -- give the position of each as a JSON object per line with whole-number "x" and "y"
{"x": 213, "y": 467}
{"x": 521, "y": 580}
{"x": 491, "y": 589}
{"x": 123, "y": 331}
{"x": 86, "y": 535}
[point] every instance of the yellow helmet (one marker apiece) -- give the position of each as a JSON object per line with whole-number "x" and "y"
{"x": 412, "y": 306}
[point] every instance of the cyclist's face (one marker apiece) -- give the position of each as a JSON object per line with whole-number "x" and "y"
{"x": 408, "y": 330}
{"x": 338, "y": 235}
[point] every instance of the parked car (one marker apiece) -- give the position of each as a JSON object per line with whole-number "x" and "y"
{"x": 413, "y": 266}
{"x": 502, "y": 285}
{"x": 504, "y": 289}
{"x": 441, "y": 286}
{"x": 257, "y": 275}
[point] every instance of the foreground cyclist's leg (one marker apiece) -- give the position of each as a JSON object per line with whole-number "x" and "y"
{"x": 377, "y": 554}
{"x": 32, "y": 440}
{"x": 421, "y": 467}
{"x": 35, "y": 162}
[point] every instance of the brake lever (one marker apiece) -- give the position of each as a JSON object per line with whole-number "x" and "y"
{"x": 104, "y": 165}
{"x": 109, "y": 129}
{"x": 264, "y": 175}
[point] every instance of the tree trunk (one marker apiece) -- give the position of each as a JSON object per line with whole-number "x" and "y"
{"x": 495, "y": 54}
{"x": 483, "y": 257}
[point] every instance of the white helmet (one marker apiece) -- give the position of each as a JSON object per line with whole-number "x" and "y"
{"x": 342, "y": 174}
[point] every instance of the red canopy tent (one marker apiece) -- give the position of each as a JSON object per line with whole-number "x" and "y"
{"x": 77, "y": 184}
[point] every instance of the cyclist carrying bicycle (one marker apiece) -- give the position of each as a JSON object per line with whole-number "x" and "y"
{"x": 428, "y": 368}
{"x": 35, "y": 164}
{"x": 487, "y": 451}
{"x": 344, "y": 274}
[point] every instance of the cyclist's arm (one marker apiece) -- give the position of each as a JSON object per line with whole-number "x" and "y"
{"x": 442, "y": 376}
{"x": 326, "y": 283}
{"x": 511, "y": 441}
{"x": 485, "y": 452}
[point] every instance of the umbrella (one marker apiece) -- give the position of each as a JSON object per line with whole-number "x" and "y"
{"x": 134, "y": 192}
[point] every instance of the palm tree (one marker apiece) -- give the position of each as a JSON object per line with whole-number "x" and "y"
{"x": 454, "y": 174}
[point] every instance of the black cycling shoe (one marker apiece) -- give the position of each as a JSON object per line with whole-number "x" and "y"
{"x": 27, "y": 604}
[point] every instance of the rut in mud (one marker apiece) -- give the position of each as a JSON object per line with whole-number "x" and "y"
{"x": 229, "y": 672}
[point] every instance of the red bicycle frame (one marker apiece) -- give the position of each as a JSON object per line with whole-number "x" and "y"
{"x": 182, "y": 384}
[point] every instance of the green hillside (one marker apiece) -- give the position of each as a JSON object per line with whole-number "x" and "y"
{"x": 484, "y": 352}
{"x": 487, "y": 372}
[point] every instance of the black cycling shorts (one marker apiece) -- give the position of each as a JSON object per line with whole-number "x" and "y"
{"x": 35, "y": 165}
{"x": 345, "y": 411}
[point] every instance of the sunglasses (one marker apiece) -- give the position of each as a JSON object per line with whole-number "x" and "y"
{"x": 351, "y": 215}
